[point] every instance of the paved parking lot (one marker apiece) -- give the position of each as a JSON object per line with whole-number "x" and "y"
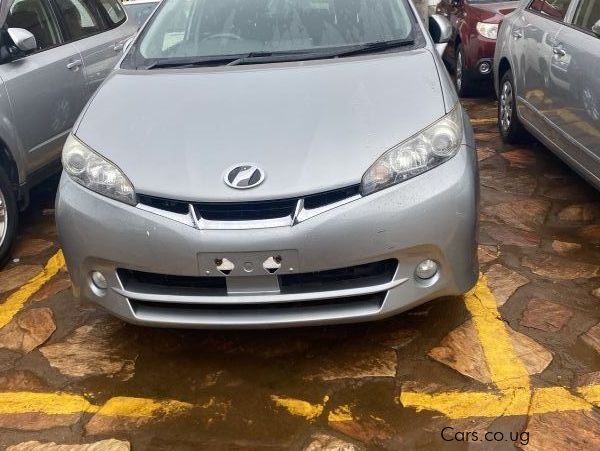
{"x": 515, "y": 363}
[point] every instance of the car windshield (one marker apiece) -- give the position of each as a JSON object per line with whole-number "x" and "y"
{"x": 183, "y": 30}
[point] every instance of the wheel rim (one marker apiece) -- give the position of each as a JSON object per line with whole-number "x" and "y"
{"x": 459, "y": 71}
{"x": 506, "y": 105}
{"x": 3, "y": 218}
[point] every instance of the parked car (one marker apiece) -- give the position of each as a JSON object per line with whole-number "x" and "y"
{"x": 471, "y": 48}
{"x": 53, "y": 56}
{"x": 546, "y": 70}
{"x": 283, "y": 163}
{"x": 139, "y": 10}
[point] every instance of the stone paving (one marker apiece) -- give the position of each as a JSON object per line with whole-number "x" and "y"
{"x": 432, "y": 378}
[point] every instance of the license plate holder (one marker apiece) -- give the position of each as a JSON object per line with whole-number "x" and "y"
{"x": 254, "y": 263}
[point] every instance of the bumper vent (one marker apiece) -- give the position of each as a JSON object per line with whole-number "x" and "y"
{"x": 359, "y": 276}
{"x": 272, "y": 313}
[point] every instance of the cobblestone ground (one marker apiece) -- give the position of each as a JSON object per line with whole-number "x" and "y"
{"x": 518, "y": 358}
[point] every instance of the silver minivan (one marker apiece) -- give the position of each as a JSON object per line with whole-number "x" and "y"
{"x": 53, "y": 55}
{"x": 283, "y": 162}
{"x": 547, "y": 66}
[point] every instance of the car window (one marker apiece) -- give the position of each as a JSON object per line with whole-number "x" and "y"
{"x": 201, "y": 28}
{"x": 139, "y": 12}
{"x": 114, "y": 12}
{"x": 35, "y": 17}
{"x": 587, "y": 14}
{"x": 79, "y": 18}
{"x": 536, "y": 5}
{"x": 557, "y": 9}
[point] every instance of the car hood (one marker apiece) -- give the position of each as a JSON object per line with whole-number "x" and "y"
{"x": 493, "y": 12}
{"x": 311, "y": 126}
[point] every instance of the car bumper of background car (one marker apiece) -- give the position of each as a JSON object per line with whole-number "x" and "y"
{"x": 160, "y": 272}
{"x": 481, "y": 57}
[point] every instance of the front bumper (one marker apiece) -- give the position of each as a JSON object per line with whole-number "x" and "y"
{"x": 433, "y": 216}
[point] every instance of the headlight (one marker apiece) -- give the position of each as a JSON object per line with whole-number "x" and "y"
{"x": 424, "y": 151}
{"x": 487, "y": 30}
{"x": 96, "y": 173}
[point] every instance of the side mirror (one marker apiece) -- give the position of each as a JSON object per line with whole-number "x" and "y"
{"x": 440, "y": 30}
{"x": 596, "y": 28}
{"x": 23, "y": 39}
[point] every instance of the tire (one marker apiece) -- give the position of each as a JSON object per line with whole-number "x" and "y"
{"x": 511, "y": 128}
{"x": 462, "y": 82}
{"x": 9, "y": 218}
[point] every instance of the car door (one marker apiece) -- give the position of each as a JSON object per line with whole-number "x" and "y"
{"x": 542, "y": 21}
{"x": 99, "y": 29}
{"x": 575, "y": 87}
{"x": 46, "y": 87}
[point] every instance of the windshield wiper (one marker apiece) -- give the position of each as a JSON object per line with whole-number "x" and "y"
{"x": 275, "y": 57}
{"x": 166, "y": 63}
{"x": 375, "y": 47}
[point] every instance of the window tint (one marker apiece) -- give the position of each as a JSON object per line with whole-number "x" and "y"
{"x": 587, "y": 14}
{"x": 35, "y": 17}
{"x": 557, "y": 9}
{"x": 114, "y": 12}
{"x": 79, "y": 18}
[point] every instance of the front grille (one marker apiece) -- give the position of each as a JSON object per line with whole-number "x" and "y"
{"x": 246, "y": 211}
{"x": 359, "y": 276}
{"x": 330, "y": 197}
{"x": 250, "y": 211}
{"x": 174, "y": 206}
{"x": 145, "y": 282}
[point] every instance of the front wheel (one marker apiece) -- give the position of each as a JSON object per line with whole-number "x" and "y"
{"x": 511, "y": 128}
{"x": 9, "y": 217}
{"x": 462, "y": 82}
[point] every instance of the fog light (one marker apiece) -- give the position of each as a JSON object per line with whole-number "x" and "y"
{"x": 485, "y": 67}
{"x": 99, "y": 280}
{"x": 426, "y": 269}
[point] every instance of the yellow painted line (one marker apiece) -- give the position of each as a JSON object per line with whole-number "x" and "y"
{"x": 340, "y": 414}
{"x": 591, "y": 393}
{"x": 299, "y": 407}
{"x": 142, "y": 407}
{"x": 49, "y": 403}
{"x": 67, "y": 403}
{"x": 457, "y": 405}
{"x": 556, "y": 399}
{"x": 506, "y": 370}
{"x": 508, "y": 374}
{"x": 16, "y": 301}
{"x": 485, "y": 121}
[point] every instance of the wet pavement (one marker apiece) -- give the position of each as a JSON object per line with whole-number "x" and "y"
{"x": 513, "y": 364}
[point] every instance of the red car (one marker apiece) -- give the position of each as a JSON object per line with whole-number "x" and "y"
{"x": 470, "y": 51}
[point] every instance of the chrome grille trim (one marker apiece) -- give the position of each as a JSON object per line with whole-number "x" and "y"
{"x": 299, "y": 214}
